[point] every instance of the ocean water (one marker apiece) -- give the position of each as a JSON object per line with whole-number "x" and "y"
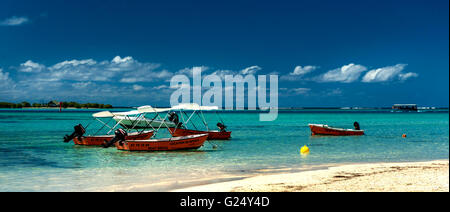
{"x": 34, "y": 158}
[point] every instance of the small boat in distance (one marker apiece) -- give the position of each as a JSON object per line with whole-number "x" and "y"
{"x": 323, "y": 129}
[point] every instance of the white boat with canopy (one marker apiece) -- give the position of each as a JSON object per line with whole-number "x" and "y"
{"x": 136, "y": 118}
{"x": 186, "y": 125}
{"x": 106, "y": 131}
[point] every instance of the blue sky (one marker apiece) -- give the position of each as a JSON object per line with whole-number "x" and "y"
{"x": 326, "y": 53}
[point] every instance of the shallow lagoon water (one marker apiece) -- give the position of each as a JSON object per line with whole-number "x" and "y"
{"x": 34, "y": 158}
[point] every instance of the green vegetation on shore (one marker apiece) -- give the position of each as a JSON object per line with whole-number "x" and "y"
{"x": 53, "y": 104}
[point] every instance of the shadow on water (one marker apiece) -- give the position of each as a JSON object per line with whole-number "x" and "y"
{"x": 19, "y": 158}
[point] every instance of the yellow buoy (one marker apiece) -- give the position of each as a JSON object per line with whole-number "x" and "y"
{"x": 304, "y": 150}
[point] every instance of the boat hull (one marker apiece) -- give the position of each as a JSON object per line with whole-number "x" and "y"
{"x": 164, "y": 144}
{"x": 99, "y": 140}
{"x": 212, "y": 135}
{"x": 320, "y": 129}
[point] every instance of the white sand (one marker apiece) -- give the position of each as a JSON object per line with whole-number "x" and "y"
{"x": 411, "y": 176}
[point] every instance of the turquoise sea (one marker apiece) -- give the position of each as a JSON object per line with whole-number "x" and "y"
{"x": 34, "y": 158}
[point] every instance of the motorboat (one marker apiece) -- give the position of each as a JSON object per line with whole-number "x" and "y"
{"x": 323, "y": 129}
{"x": 186, "y": 126}
{"x": 212, "y": 134}
{"x": 163, "y": 144}
{"x": 98, "y": 140}
{"x": 100, "y": 137}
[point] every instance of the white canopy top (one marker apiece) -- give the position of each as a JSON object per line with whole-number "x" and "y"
{"x": 103, "y": 114}
{"x": 150, "y": 109}
{"x": 193, "y": 106}
{"x": 140, "y": 110}
{"x": 128, "y": 113}
{"x": 107, "y": 114}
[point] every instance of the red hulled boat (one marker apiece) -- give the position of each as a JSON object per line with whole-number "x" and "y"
{"x": 212, "y": 134}
{"x": 322, "y": 129}
{"x": 164, "y": 144}
{"x": 100, "y": 139}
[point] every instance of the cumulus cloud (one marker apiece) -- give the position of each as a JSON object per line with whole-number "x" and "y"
{"x": 189, "y": 71}
{"x": 406, "y": 76}
{"x": 346, "y": 74}
{"x": 3, "y": 76}
{"x": 79, "y": 85}
{"x": 14, "y": 21}
{"x": 298, "y": 73}
{"x": 222, "y": 73}
{"x": 386, "y": 74}
{"x": 73, "y": 63}
{"x": 127, "y": 70}
{"x": 30, "y": 66}
{"x": 299, "y": 70}
{"x": 301, "y": 91}
{"x": 138, "y": 87}
{"x": 160, "y": 87}
{"x": 83, "y": 80}
{"x": 250, "y": 70}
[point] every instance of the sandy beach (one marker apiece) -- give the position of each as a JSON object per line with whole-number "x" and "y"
{"x": 374, "y": 177}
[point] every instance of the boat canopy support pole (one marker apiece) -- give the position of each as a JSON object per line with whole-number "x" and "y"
{"x": 104, "y": 124}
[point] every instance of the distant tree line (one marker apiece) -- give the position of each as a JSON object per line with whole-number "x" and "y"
{"x": 53, "y": 104}
{"x": 85, "y": 105}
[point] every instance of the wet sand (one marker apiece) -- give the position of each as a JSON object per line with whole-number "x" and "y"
{"x": 376, "y": 177}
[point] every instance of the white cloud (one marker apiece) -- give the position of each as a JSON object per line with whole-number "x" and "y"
{"x": 138, "y": 87}
{"x": 160, "y": 87}
{"x": 79, "y": 85}
{"x": 87, "y": 80}
{"x": 299, "y": 70}
{"x": 4, "y": 76}
{"x": 14, "y": 21}
{"x": 408, "y": 75}
{"x": 384, "y": 74}
{"x": 250, "y": 70}
{"x": 73, "y": 63}
{"x": 30, "y": 66}
{"x": 118, "y": 59}
{"x": 145, "y": 76}
{"x": 301, "y": 90}
{"x": 222, "y": 73}
{"x": 345, "y": 74}
{"x": 333, "y": 92}
{"x": 189, "y": 71}
{"x": 120, "y": 69}
{"x": 298, "y": 73}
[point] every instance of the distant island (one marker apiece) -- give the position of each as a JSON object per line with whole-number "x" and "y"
{"x": 53, "y": 104}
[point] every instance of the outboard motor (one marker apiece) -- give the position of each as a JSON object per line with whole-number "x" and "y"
{"x": 78, "y": 132}
{"x": 221, "y": 127}
{"x": 356, "y": 125}
{"x": 173, "y": 117}
{"x": 120, "y": 135}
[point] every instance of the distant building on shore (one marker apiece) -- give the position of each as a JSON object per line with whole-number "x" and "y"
{"x": 53, "y": 103}
{"x": 406, "y": 107}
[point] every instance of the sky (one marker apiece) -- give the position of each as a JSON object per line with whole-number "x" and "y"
{"x": 325, "y": 53}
